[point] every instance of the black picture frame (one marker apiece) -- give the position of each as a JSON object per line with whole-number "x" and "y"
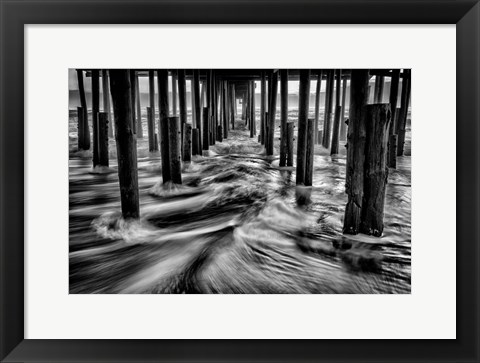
{"x": 15, "y": 14}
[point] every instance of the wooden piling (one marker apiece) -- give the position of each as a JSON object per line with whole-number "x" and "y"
{"x": 310, "y": 152}
{"x": 290, "y": 126}
{"x": 225, "y": 109}
{"x": 198, "y": 107}
{"x": 106, "y": 99}
{"x": 317, "y": 104}
{"x": 272, "y": 110}
{"x": 338, "y": 112}
{"x": 343, "y": 125}
{"x": 328, "y": 109}
{"x": 263, "y": 91}
{"x": 356, "y": 150}
{"x": 95, "y": 109}
{"x": 392, "y": 163}
{"x": 402, "y": 118}
{"x": 187, "y": 143}
{"x": 206, "y": 129}
{"x": 283, "y": 116}
{"x": 182, "y": 97}
{"x": 196, "y": 148}
{"x": 253, "y": 125}
{"x": 103, "y": 139}
{"x": 151, "y": 130}
{"x": 378, "y": 90}
{"x": 132, "y": 95}
{"x": 303, "y": 103}
{"x": 126, "y": 142}
{"x": 174, "y": 142}
{"x": 174, "y": 93}
{"x": 151, "y": 101}
{"x": 234, "y": 106}
{"x": 83, "y": 103}
{"x": 139, "y": 110}
{"x": 81, "y": 128}
{"x": 376, "y": 172}
{"x": 162, "y": 79}
{"x": 392, "y": 151}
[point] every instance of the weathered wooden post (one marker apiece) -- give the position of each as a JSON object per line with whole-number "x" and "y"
{"x": 132, "y": 95}
{"x": 378, "y": 90}
{"x": 151, "y": 128}
{"x": 139, "y": 110}
{"x": 309, "y": 156}
{"x": 182, "y": 102}
{"x": 234, "y": 106}
{"x": 174, "y": 93}
{"x": 162, "y": 80}
{"x": 253, "y": 126}
{"x": 328, "y": 109}
{"x": 376, "y": 172}
{"x": 95, "y": 109}
{"x": 198, "y": 108}
{"x": 343, "y": 125}
{"x": 262, "y": 107}
{"x": 126, "y": 142}
{"x": 272, "y": 110}
{"x": 317, "y": 104}
{"x": 267, "y": 131}
{"x": 151, "y": 98}
{"x": 202, "y": 95}
{"x": 83, "y": 103}
{"x": 106, "y": 99}
{"x": 225, "y": 109}
{"x": 81, "y": 128}
{"x": 196, "y": 149}
{"x": 283, "y": 115}
{"x": 206, "y": 131}
{"x": 303, "y": 103}
{"x": 187, "y": 143}
{"x": 392, "y": 160}
{"x": 174, "y": 137}
{"x": 392, "y": 151}
{"x": 402, "y": 118}
{"x": 338, "y": 112}
{"x": 356, "y": 150}
{"x": 290, "y": 143}
{"x": 103, "y": 139}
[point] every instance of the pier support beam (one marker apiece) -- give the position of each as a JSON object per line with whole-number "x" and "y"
{"x": 103, "y": 139}
{"x": 132, "y": 95}
{"x": 309, "y": 155}
{"x": 233, "y": 106}
{"x": 126, "y": 142}
{"x": 106, "y": 99}
{"x": 139, "y": 110}
{"x": 263, "y": 85}
{"x": 206, "y": 131}
{"x": 376, "y": 172}
{"x": 174, "y": 143}
{"x": 197, "y": 124}
{"x": 290, "y": 126}
{"x": 95, "y": 109}
{"x": 187, "y": 142}
{"x": 303, "y": 106}
{"x": 174, "y": 92}
{"x": 393, "y": 105}
{"x": 328, "y": 109}
{"x": 343, "y": 125}
{"x": 283, "y": 115}
{"x": 317, "y": 104}
{"x": 378, "y": 90}
{"x": 338, "y": 113}
{"x": 356, "y": 150}
{"x": 272, "y": 110}
{"x": 81, "y": 128}
{"x": 182, "y": 102}
{"x": 253, "y": 125}
{"x": 162, "y": 79}
{"x": 151, "y": 128}
{"x": 83, "y": 103}
{"x": 196, "y": 148}
{"x": 402, "y": 117}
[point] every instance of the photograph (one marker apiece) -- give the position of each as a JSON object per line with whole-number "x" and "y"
{"x": 239, "y": 181}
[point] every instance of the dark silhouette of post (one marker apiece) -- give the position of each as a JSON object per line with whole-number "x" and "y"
{"x": 95, "y": 109}
{"x": 182, "y": 101}
{"x": 151, "y": 128}
{"x": 263, "y": 85}
{"x": 174, "y": 93}
{"x": 317, "y": 104}
{"x": 132, "y": 95}
{"x": 303, "y": 103}
{"x": 198, "y": 107}
{"x": 338, "y": 113}
{"x": 309, "y": 155}
{"x": 187, "y": 143}
{"x": 253, "y": 126}
{"x": 83, "y": 103}
{"x": 81, "y": 128}
{"x": 233, "y": 108}
{"x": 290, "y": 143}
{"x": 139, "y": 110}
{"x": 343, "y": 125}
{"x": 378, "y": 90}
{"x": 206, "y": 131}
{"x": 376, "y": 171}
{"x": 283, "y": 115}
{"x": 328, "y": 109}
{"x": 174, "y": 135}
{"x": 106, "y": 99}
{"x": 392, "y": 151}
{"x": 402, "y": 117}
{"x": 356, "y": 150}
{"x": 162, "y": 79}
{"x": 196, "y": 149}
{"x": 103, "y": 139}
{"x": 126, "y": 142}
{"x": 392, "y": 162}
{"x": 272, "y": 110}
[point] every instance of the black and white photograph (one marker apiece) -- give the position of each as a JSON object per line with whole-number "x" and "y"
{"x": 239, "y": 181}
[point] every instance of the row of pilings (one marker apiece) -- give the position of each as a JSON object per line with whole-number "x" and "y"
{"x": 375, "y": 133}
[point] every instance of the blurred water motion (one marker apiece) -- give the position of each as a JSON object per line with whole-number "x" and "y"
{"x": 238, "y": 224}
